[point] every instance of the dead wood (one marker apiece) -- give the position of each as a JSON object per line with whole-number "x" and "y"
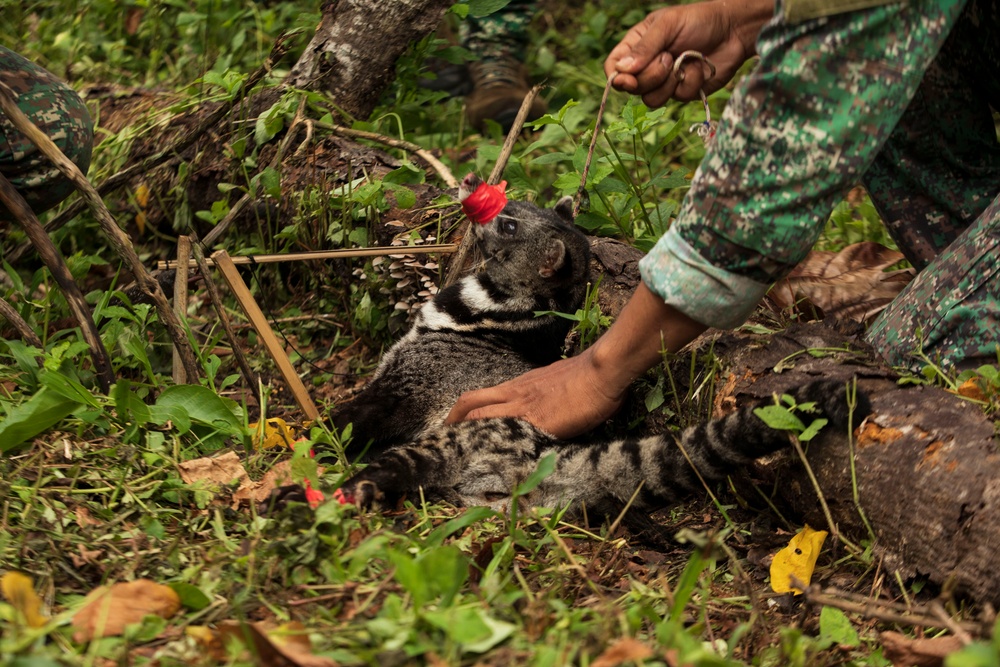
{"x": 926, "y": 462}
{"x": 47, "y": 250}
{"x": 352, "y": 57}
{"x": 7, "y": 312}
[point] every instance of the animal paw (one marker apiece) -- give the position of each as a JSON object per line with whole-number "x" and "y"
{"x": 361, "y": 492}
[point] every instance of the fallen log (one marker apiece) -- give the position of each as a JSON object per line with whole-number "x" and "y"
{"x": 926, "y": 462}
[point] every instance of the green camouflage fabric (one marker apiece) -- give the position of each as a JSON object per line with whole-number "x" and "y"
{"x": 58, "y": 112}
{"x": 502, "y": 34}
{"x": 824, "y": 108}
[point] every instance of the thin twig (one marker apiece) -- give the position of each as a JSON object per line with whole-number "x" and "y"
{"x": 27, "y": 333}
{"x": 181, "y": 299}
{"x": 580, "y": 193}
{"x": 173, "y": 151}
{"x": 423, "y": 153}
{"x": 244, "y": 202}
{"x": 119, "y": 240}
{"x": 342, "y": 253}
{"x": 878, "y": 610}
{"x": 213, "y": 293}
{"x": 22, "y": 213}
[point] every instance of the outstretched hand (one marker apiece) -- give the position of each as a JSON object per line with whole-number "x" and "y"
{"x": 564, "y": 399}
{"x": 644, "y": 59}
{"x": 574, "y": 395}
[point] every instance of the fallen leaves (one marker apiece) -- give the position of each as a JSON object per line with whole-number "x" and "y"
{"x": 109, "y": 609}
{"x": 624, "y": 650}
{"x": 226, "y": 469}
{"x": 924, "y": 652}
{"x": 286, "y": 645}
{"x": 797, "y": 560}
{"x": 850, "y": 284}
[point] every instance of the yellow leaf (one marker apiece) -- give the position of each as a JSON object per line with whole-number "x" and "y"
{"x": 797, "y": 560}
{"x": 276, "y": 433}
{"x": 20, "y": 592}
{"x": 142, "y": 195}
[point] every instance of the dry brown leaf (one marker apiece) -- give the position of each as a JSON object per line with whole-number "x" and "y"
{"x": 83, "y": 518}
{"x": 285, "y": 646}
{"x": 209, "y": 640}
{"x": 86, "y": 556}
{"x": 107, "y": 610}
{"x": 850, "y": 284}
{"x": 214, "y": 471}
{"x": 971, "y": 389}
{"x": 929, "y": 652}
{"x": 258, "y": 492}
{"x": 624, "y": 650}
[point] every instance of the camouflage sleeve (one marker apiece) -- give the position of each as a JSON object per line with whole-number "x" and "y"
{"x": 797, "y": 133}
{"x": 56, "y": 110}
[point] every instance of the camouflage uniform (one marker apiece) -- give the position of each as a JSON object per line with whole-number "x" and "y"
{"x": 58, "y": 112}
{"x": 824, "y": 108}
{"x": 502, "y": 34}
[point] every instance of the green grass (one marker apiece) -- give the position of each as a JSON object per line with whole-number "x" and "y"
{"x": 92, "y": 493}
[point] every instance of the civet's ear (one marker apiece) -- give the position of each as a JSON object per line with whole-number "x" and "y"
{"x": 564, "y": 209}
{"x": 555, "y": 257}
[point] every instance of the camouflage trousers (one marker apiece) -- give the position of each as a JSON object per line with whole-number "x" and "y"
{"x": 58, "y": 112}
{"x": 897, "y": 96}
{"x": 502, "y": 34}
{"x": 936, "y": 184}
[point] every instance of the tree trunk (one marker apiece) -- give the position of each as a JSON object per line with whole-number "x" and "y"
{"x": 353, "y": 54}
{"x": 927, "y": 462}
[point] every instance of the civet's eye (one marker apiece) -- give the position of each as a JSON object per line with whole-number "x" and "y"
{"x": 508, "y": 226}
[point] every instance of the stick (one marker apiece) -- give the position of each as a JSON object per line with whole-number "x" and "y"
{"x": 181, "y": 299}
{"x": 120, "y": 242}
{"x": 12, "y": 316}
{"x": 252, "y": 310}
{"x": 47, "y": 250}
{"x": 213, "y": 293}
{"x": 343, "y": 253}
{"x": 872, "y": 609}
{"x": 457, "y": 265}
{"x": 172, "y": 152}
{"x": 423, "y": 153}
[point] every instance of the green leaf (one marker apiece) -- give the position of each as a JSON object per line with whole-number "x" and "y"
{"x": 464, "y": 520}
{"x": 472, "y": 627}
{"x": 38, "y": 414}
{"x": 780, "y": 417}
{"x": 654, "y": 398}
{"x": 479, "y": 8}
{"x": 836, "y": 628}
{"x": 191, "y": 596}
{"x": 545, "y": 467}
{"x": 270, "y": 180}
{"x": 202, "y": 405}
{"x": 813, "y": 429}
{"x": 404, "y": 196}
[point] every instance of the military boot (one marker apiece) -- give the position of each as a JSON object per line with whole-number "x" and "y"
{"x": 498, "y": 88}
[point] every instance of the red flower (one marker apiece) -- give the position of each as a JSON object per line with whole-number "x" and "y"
{"x": 485, "y": 202}
{"x": 343, "y": 498}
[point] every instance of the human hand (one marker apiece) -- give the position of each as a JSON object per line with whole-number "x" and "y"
{"x": 564, "y": 399}
{"x": 725, "y": 35}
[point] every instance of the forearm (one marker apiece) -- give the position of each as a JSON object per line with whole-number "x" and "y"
{"x": 635, "y": 343}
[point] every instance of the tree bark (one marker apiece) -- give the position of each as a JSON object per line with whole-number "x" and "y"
{"x": 353, "y": 54}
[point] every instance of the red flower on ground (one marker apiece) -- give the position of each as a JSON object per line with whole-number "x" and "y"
{"x": 485, "y": 202}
